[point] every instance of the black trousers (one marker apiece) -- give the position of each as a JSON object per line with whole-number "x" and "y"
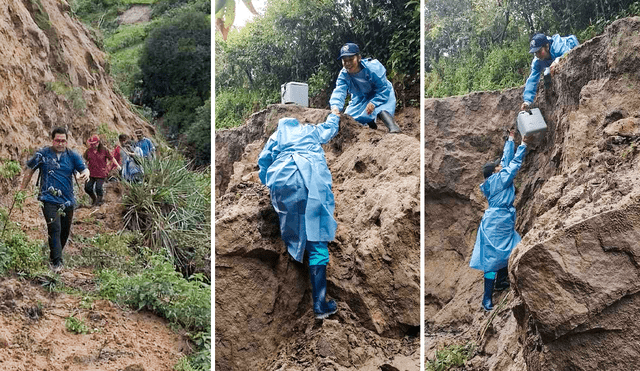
{"x": 59, "y": 227}
{"x": 89, "y": 187}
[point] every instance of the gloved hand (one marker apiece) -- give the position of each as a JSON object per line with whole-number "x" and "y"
{"x": 524, "y": 106}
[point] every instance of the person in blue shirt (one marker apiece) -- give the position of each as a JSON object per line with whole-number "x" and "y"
{"x": 372, "y": 95}
{"x": 547, "y": 51}
{"x": 57, "y": 165}
{"x": 292, "y": 164}
{"x": 496, "y": 235}
{"x": 145, "y": 144}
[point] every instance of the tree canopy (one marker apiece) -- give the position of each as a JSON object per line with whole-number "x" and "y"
{"x": 298, "y": 40}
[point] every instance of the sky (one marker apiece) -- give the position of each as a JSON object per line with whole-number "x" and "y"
{"x": 243, "y": 15}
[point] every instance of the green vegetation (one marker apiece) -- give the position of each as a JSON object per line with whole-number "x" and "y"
{"x": 300, "y": 41}
{"x": 171, "y": 208}
{"x": 9, "y": 169}
{"x": 147, "y": 63}
{"x": 451, "y": 356}
{"x": 77, "y": 326}
{"x": 483, "y": 45}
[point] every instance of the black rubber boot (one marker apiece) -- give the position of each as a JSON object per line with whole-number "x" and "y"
{"x": 372, "y": 124}
{"x": 321, "y": 308}
{"x": 502, "y": 279}
{"x": 488, "y": 292}
{"x": 389, "y": 122}
{"x": 99, "y": 201}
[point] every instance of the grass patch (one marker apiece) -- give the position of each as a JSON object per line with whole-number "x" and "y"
{"x": 72, "y": 94}
{"x": 77, "y": 326}
{"x": 126, "y": 36}
{"x": 451, "y": 356}
{"x": 121, "y": 252}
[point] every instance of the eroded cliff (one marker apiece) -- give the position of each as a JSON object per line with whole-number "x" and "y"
{"x": 575, "y": 275}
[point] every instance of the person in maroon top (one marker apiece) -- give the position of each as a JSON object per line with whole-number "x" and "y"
{"x": 97, "y": 156}
{"x": 122, "y": 138}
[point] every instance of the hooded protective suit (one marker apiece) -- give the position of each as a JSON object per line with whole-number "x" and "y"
{"x": 368, "y": 85}
{"x": 293, "y": 166}
{"x": 497, "y": 235}
{"x": 558, "y": 45}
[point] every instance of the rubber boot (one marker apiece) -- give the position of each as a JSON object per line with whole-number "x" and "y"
{"x": 502, "y": 279}
{"x": 388, "y": 121}
{"x": 321, "y": 308}
{"x": 488, "y": 292}
{"x": 372, "y": 124}
{"x": 99, "y": 201}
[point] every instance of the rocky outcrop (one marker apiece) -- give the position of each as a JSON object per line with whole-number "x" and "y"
{"x": 53, "y": 74}
{"x": 575, "y": 275}
{"x": 264, "y": 316}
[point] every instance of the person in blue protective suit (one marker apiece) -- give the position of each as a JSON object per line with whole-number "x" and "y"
{"x": 372, "y": 95}
{"x": 497, "y": 235}
{"x": 547, "y": 51}
{"x": 293, "y": 166}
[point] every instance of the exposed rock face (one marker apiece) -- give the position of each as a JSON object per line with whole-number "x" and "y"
{"x": 53, "y": 74}
{"x": 264, "y": 316}
{"x": 575, "y": 276}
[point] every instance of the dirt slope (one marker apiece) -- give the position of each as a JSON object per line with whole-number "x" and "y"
{"x": 53, "y": 74}
{"x": 575, "y": 274}
{"x": 264, "y": 316}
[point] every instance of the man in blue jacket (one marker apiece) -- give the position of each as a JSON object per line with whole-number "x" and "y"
{"x": 372, "y": 95}
{"x": 293, "y": 166}
{"x": 57, "y": 165}
{"x": 547, "y": 50}
{"x": 497, "y": 235}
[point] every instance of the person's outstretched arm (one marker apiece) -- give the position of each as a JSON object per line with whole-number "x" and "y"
{"x": 328, "y": 129}
{"x": 531, "y": 86}
{"x": 339, "y": 94}
{"x": 266, "y": 158}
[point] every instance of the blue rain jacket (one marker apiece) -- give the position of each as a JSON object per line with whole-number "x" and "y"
{"x": 497, "y": 235}
{"x": 368, "y": 85}
{"x": 293, "y": 166}
{"x": 558, "y": 45}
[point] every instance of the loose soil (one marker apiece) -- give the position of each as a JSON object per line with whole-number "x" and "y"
{"x": 33, "y": 335}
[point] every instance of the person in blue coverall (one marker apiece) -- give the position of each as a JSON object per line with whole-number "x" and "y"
{"x": 547, "y": 50}
{"x": 496, "y": 234}
{"x": 372, "y": 95}
{"x": 293, "y": 166}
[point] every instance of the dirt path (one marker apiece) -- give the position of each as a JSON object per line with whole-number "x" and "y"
{"x": 33, "y": 335}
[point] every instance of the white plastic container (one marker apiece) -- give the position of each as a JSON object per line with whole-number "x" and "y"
{"x": 295, "y": 92}
{"x": 531, "y": 122}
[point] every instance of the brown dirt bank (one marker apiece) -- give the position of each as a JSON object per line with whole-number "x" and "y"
{"x": 263, "y": 301}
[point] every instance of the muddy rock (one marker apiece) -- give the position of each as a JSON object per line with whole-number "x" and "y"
{"x": 575, "y": 274}
{"x": 264, "y": 314}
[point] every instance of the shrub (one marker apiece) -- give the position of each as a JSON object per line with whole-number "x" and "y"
{"x": 451, "y": 356}
{"x": 171, "y": 208}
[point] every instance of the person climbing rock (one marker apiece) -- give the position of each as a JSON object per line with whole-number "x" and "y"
{"x": 496, "y": 234}
{"x": 97, "y": 157}
{"x": 293, "y": 166}
{"x": 547, "y": 51}
{"x": 57, "y": 165}
{"x": 372, "y": 95}
{"x": 145, "y": 144}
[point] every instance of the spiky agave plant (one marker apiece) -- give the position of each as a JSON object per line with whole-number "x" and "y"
{"x": 171, "y": 207}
